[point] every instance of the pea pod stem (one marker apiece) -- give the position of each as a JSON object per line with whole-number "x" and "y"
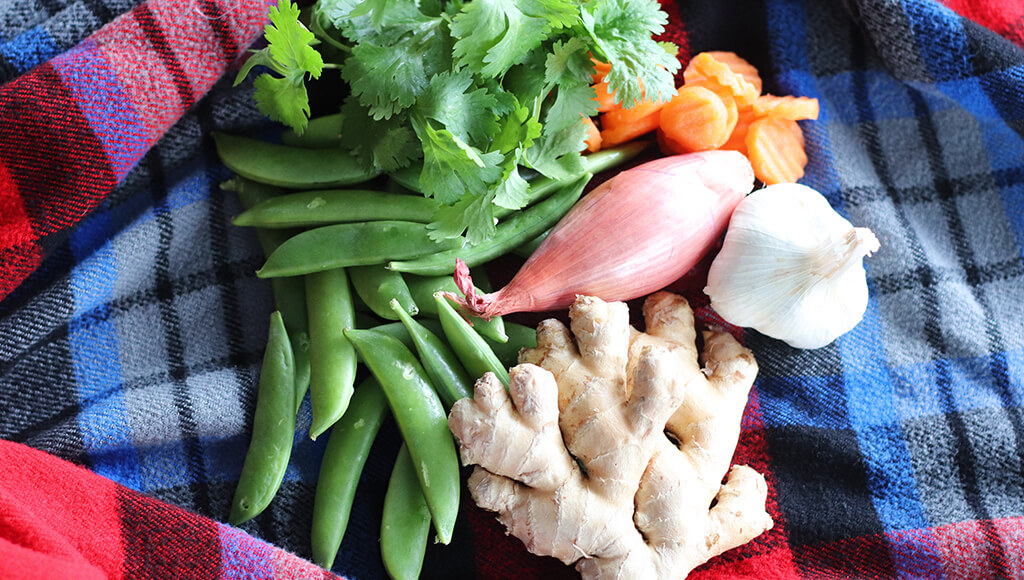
{"x": 377, "y": 286}
{"x": 330, "y": 206}
{"x": 470, "y": 348}
{"x": 446, "y": 372}
{"x": 273, "y": 428}
{"x": 520, "y": 228}
{"x": 421, "y": 419}
{"x": 344, "y": 457}
{"x": 332, "y": 357}
{"x": 405, "y": 521}
{"x": 292, "y": 167}
{"x": 423, "y": 289}
{"x": 354, "y": 244}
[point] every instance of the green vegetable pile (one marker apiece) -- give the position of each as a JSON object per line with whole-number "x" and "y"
{"x": 462, "y": 97}
{"x": 458, "y": 135}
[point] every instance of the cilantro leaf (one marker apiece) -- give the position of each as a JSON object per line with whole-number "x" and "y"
{"x": 448, "y": 98}
{"x": 473, "y": 214}
{"x": 557, "y": 153}
{"x": 388, "y": 145}
{"x": 568, "y": 68}
{"x": 451, "y": 167}
{"x": 494, "y": 35}
{"x": 623, "y": 31}
{"x": 290, "y": 54}
{"x": 511, "y": 193}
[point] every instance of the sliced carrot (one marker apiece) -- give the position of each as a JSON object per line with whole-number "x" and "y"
{"x": 736, "y": 64}
{"x": 593, "y": 139}
{"x": 705, "y": 65}
{"x": 600, "y": 70}
{"x": 727, "y": 99}
{"x": 787, "y": 107}
{"x": 696, "y": 118}
{"x": 625, "y": 132}
{"x": 668, "y": 145}
{"x": 776, "y": 150}
{"x": 738, "y": 139}
{"x": 605, "y": 100}
{"x": 623, "y": 116}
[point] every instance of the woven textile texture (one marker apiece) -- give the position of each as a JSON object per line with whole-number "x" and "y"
{"x": 132, "y": 324}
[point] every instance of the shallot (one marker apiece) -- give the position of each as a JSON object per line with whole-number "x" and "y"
{"x": 632, "y": 235}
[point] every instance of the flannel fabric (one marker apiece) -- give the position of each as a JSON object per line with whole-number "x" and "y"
{"x": 132, "y": 325}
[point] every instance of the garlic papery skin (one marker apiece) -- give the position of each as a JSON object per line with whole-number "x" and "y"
{"x": 791, "y": 267}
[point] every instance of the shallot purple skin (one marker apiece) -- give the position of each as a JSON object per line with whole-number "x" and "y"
{"x": 633, "y": 235}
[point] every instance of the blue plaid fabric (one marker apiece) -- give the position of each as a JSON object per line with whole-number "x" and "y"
{"x": 895, "y": 452}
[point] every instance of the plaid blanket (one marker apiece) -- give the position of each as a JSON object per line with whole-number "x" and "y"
{"x": 132, "y": 324}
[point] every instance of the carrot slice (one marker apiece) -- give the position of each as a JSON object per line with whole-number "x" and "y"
{"x": 600, "y": 70}
{"x": 707, "y": 66}
{"x": 727, "y": 99}
{"x": 696, "y": 119}
{"x": 776, "y": 150}
{"x": 738, "y": 139}
{"x": 623, "y": 116}
{"x": 668, "y": 145}
{"x": 605, "y": 100}
{"x": 787, "y": 107}
{"x": 593, "y": 139}
{"x": 621, "y": 132}
{"x": 736, "y": 64}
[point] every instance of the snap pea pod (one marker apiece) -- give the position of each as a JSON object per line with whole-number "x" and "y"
{"x": 405, "y": 521}
{"x": 322, "y": 131}
{"x": 330, "y": 206}
{"x": 377, "y": 286}
{"x": 289, "y": 293}
{"x": 293, "y": 167}
{"x": 356, "y": 244}
{"x": 332, "y": 357}
{"x": 421, "y": 419}
{"x": 526, "y": 249}
{"x": 471, "y": 349}
{"x": 273, "y": 428}
{"x": 518, "y": 229}
{"x": 446, "y": 372}
{"x": 344, "y": 457}
{"x": 398, "y": 330}
{"x": 520, "y": 336}
{"x": 423, "y": 289}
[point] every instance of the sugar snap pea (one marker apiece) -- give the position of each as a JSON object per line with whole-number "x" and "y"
{"x": 517, "y": 229}
{"x": 329, "y": 206}
{"x": 446, "y": 372}
{"x": 344, "y": 457}
{"x": 321, "y": 131}
{"x": 273, "y": 428}
{"x": 356, "y": 244}
{"x": 421, "y": 419}
{"x": 332, "y": 357}
{"x": 377, "y": 286}
{"x": 287, "y": 166}
{"x": 423, "y": 289}
{"x": 405, "y": 521}
{"x": 471, "y": 349}
{"x": 289, "y": 293}
{"x": 399, "y": 331}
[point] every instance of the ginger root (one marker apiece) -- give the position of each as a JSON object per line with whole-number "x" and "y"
{"x": 609, "y": 451}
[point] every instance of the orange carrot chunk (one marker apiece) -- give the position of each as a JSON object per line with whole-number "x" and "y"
{"x": 593, "y": 139}
{"x": 605, "y": 100}
{"x": 706, "y": 66}
{"x": 736, "y": 64}
{"x": 613, "y": 134}
{"x": 600, "y": 70}
{"x": 738, "y": 139}
{"x": 623, "y": 116}
{"x": 668, "y": 145}
{"x": 696, "y": 119}
{"x": 776, "y": 150}
{"x": 787, "y": 107}
{"x": 727, "y": 99}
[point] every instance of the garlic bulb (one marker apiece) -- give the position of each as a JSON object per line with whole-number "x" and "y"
{"x": 791, "y": 267}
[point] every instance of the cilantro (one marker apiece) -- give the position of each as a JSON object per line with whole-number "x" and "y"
{"x": 290, "y": 54}
{"x": 459, "y": 96}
